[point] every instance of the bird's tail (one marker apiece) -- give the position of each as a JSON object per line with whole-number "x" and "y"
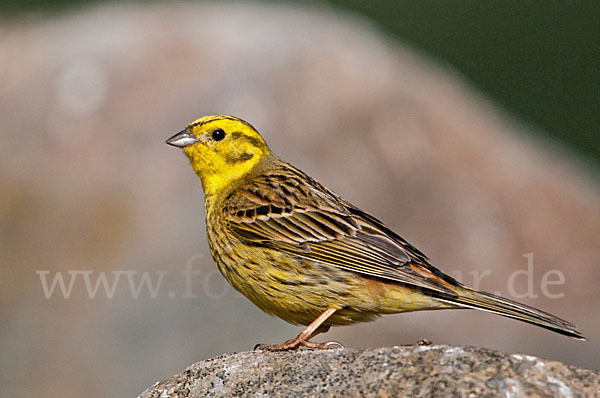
{"x": 468, "y": 298}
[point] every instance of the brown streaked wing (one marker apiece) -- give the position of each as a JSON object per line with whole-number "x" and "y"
{"x": 330, "y": 231}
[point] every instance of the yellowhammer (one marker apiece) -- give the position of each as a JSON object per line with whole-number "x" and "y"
{"x": 300, "y": 252}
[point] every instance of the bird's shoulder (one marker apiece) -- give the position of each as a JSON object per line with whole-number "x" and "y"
{"x": 281, "y": 189}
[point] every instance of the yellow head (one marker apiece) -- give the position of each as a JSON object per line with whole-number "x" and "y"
{"x": 221, "y": 149}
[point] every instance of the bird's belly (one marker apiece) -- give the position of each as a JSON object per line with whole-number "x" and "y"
{"x": 292, "y": 289}
{"x": 299, "y": 290}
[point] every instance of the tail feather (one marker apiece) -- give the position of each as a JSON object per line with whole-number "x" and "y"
{"x": 468, "y": 298}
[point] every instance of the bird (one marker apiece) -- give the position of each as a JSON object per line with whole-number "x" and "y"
{"x": 302, "y": 253}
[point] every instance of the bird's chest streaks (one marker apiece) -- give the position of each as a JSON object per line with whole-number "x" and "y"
{"x": 256, "y": 270}
{"x": 290, "y": 287}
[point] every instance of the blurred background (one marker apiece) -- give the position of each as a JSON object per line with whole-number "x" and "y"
{"x": 470, "y": 128}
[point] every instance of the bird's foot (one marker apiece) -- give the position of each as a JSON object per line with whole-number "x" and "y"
{"x": 296, "y": 343}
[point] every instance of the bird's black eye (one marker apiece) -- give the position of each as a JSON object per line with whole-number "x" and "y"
{"x": 218, "y": 134}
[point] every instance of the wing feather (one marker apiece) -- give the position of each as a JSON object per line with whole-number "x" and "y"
{"x": 312, "y": 222}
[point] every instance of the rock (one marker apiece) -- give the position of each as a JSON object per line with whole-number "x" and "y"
{"x": 416, "y": 371}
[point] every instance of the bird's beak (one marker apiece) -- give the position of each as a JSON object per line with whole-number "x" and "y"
{"x": 182, "y": 139}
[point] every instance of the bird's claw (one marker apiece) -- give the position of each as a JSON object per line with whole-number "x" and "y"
{"x": 331, "y": 345}
{"x": 296, "y": 343}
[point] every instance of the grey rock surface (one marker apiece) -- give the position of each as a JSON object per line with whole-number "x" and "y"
{"x": 416, "y": 371}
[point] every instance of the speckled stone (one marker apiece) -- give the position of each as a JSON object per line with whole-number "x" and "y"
{"x": 415, "y": 371}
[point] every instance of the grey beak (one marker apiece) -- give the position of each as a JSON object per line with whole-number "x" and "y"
{"x": 181, "y": 139}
